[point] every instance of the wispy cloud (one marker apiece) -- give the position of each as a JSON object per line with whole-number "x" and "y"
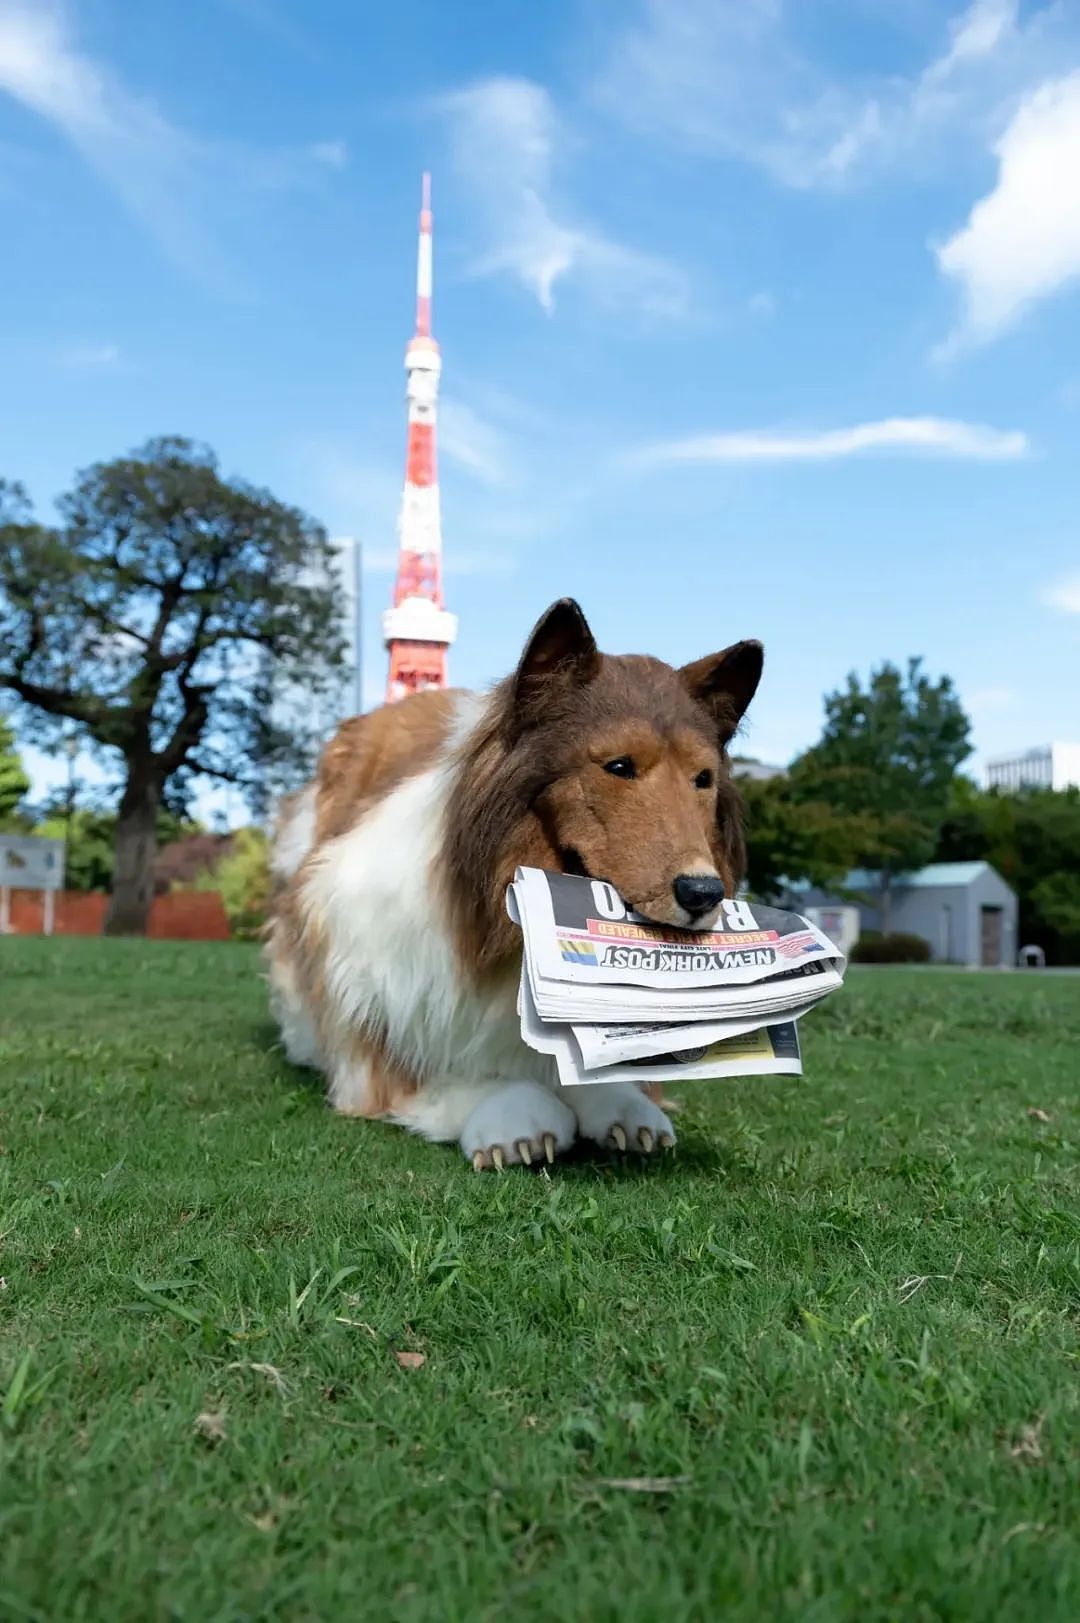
{"x": 333, "y": 154}
{"x": 921, "y": 436}
{"x": 1021, "y": 242}
{"x": 702, "y": 73}
{"x": 169, "y": 179}
{"x": 727, "y": 77}
{"x": 473, "y": 443}
{"x": 762, "y": 303}
{"x": 506, "y": 142}
{"x": 976, "y": 33}
{"x": 89, "y": 356}
{"x": 1064, "y": 594}
{"x": 149, "y": 162}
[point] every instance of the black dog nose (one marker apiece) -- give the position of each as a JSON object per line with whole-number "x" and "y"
{"x": 698, "y": 892}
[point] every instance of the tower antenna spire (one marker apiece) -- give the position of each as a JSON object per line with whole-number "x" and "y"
{"x": 417, "y": 630}
{"x": 423, "y": 263}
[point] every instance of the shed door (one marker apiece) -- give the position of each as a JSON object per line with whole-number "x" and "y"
{"x": 990, "y": 918}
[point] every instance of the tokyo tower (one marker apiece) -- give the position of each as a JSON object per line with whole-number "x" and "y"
{"x": 417, "y": 630}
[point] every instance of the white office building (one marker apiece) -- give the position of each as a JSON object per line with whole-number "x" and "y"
{"x": 1049, "y": 766}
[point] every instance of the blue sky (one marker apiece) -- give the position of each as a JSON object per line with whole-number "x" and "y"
{"x": 757, "y": 319}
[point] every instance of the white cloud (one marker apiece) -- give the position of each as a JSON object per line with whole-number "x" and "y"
{"x": 926, "y": 436}
{"x": 473, "y": 443}
{"x": 90, "y": 356}
{"x": 173, "y": 182}
{"x": 975, "y": 34}
{"x": 151, "y": 164}
{"x": 703, "y": 73}
{"x": 334, "y": 154}
{"x": 506, "y": 142}
{"x": 726, "y": 77}
{"x": 1064, "y": 594}
{"x": 1021, "y": 242}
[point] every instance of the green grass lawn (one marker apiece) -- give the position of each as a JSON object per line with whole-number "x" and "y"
{"x": 821, "y": 1364}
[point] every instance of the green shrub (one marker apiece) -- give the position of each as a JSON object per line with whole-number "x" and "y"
{"x": 243, "y": 878}
{"x": 874, "y": 948}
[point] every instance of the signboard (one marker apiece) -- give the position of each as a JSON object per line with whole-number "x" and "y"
{"x": 27, "y": 863}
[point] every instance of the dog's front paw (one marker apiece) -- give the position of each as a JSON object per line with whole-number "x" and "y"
{"x": 522, "y": 1122}
{"x": 620, "y": 1116}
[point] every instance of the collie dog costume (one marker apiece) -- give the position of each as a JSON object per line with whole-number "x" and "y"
{"x": 393, "y": 965}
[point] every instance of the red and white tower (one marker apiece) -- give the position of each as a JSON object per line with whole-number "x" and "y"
{"x": 418, "y": 630}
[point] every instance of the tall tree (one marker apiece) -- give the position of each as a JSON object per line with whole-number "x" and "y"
{"x": 790, "y": 838}
{"x": 888, "y": 756}
{"x": 14, "y": 783}
{"x": 89, "y": 834}
{"x": 1032, "y": 838}
{"x": 164, "y": 617}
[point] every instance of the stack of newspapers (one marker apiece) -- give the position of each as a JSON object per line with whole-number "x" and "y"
{"x": 616, "y": 998}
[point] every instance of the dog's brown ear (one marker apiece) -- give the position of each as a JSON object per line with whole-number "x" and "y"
{"x": 725, "y": 683}
{"x": 560, "y": 644}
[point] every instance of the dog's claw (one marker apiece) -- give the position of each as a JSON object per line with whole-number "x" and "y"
{"x": 498, "y": 1157}
{"x": 549, "y": 1148}
{"x": 479, "y": 1161}
{"x": 645, "y": 1139}
{"x": 619, "y": 1136}
{"x": 524, "y": 1150}
{"x": 667, "y": 1141}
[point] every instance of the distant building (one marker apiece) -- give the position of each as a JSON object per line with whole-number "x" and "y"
{"x": 743, "y": 767}
{"x": 308, "y": 706}
{"x": 1049, "y": 766}
{"x": 964, "y": 911}
{"x": 346, "y": 696}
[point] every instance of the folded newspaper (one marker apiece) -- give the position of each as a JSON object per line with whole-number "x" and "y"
{"x": 614, "y": 997}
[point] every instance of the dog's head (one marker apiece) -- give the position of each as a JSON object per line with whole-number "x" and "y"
{"x": 628, "y": 762}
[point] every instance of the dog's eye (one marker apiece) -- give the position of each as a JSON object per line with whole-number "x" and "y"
{"x": 704, "y": 780}
{"x": 621, "y": 767}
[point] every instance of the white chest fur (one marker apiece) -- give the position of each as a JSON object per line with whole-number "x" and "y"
{"x": 390, "y": 962}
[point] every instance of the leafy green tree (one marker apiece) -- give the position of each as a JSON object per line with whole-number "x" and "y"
{"x": 90, "y": 836}
{"x": 162, "y": 620}
{"x": 887, "y": 756}
{"x": 792, "y": 839}
{"x": 1054, "y": 904}
{"x": 91, "y": 842}
{"x": 243, "y": 879}
{"x": 1033, "y": 840}
{"x": 14, "y": 783}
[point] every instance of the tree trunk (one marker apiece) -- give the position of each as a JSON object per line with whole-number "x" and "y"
{"x": 133, "y": 869}
{"x": 885, "y": 901}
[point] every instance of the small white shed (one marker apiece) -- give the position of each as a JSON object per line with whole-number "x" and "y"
{"x": 964, "y": 910}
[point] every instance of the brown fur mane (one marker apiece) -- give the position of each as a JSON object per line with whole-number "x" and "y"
{"x": 523, "y": 742}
